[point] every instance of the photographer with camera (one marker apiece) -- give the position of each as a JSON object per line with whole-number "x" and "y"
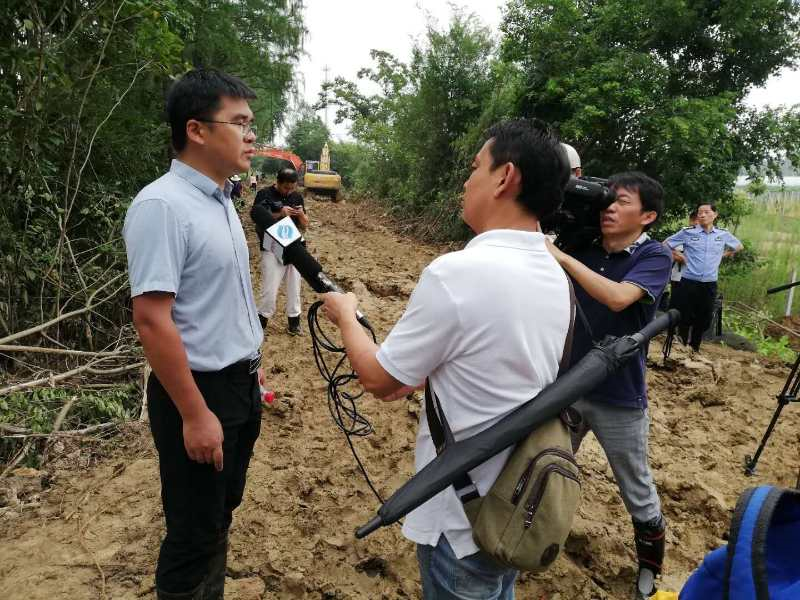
{"x": 487, "y": 326}
{"x": 619, "y": 280}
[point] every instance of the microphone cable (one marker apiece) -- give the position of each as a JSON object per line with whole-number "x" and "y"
{"x": 341, "y": 403}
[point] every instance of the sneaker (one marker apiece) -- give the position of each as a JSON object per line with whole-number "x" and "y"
{"x": 294, "y": 326}
{"x": 645, "y": 585}
{"x": 263, "y": 320}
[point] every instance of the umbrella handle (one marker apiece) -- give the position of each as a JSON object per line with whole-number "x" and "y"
{"x": 365, "y": 530}
{"x": 656, "y": 326}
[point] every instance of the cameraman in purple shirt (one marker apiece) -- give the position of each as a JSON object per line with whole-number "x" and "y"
{"x": 619, "y": 281}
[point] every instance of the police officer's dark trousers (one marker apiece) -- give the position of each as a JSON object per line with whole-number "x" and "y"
{"x": 198, "y": 501}
{"x": 695, "y": 300}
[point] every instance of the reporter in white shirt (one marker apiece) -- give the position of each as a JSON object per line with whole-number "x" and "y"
{"x": 488, "y": 325}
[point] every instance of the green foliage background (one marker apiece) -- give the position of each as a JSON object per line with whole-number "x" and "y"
{"x": 307, "y": 135}
{"x": 652, "y": 85}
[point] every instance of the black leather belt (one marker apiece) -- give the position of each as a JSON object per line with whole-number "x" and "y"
{"x": 247, "y": 367}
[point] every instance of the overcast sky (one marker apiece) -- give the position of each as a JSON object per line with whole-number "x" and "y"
{"x": 342, "y": 32}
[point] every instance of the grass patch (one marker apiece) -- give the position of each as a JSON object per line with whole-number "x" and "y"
{"x": 772, "y": 235}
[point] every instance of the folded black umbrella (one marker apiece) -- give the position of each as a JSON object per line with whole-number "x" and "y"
{"x": 458, "y": 458}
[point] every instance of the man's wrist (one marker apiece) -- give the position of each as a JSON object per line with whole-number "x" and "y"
{"x": 348, "y": 320}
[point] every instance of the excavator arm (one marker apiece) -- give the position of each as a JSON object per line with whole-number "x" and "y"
{"x": 279, "y": 153}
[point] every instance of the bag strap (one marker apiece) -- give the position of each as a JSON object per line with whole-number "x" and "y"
{"x": 573, "y": 306}
{"x": 442, "y": 435}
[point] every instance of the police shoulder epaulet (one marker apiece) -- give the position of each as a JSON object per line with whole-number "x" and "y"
{"x": 689, "y": 227}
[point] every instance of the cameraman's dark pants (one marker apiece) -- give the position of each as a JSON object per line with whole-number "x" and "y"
{"x": 199, "y": 501}
{"x": 695, "y": 300}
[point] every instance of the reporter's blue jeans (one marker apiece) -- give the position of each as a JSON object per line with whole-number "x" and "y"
{"x": 474, "y": 577}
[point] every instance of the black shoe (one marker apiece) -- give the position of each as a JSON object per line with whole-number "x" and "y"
{"x": 294, "y": 326}
{"x": 263, "y": 320}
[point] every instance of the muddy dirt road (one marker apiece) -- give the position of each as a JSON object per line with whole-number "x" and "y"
{"x": 93, "y": 530}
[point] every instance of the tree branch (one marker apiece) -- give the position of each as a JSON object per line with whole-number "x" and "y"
{"x": 68, "y": 433}
{"x": 45, "y": 350}
{"x": 89, "y": 306}
{"x": 51, "y": 379}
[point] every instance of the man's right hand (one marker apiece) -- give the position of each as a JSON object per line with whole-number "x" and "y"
{"x": 202, "y": 438}
{"x": 678, "y": 257}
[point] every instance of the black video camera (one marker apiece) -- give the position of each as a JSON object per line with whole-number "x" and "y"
{"x": 576, "y": 223}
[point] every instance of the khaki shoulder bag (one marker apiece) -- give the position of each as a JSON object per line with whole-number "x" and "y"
{"x": 525, "y": 518}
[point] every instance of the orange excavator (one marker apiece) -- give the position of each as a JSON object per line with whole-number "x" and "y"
{"x": 281, "y": 154}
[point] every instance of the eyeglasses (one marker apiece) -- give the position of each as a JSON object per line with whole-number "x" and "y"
{"x": 246, "y": 127}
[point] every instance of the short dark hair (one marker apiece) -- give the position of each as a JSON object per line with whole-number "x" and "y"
{"x": 534, "y": 149}
{"x": 197, "y": 95}
{"x": 650, "y": 191}
{"x": 286, "y": 175}
{"x": 699, "y": 204}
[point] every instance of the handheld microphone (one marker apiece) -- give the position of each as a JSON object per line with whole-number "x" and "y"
{"x": 290, "y": 250}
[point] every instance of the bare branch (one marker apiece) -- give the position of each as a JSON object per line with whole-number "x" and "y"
{"x": 75, "y": 262}
{"x": 62, "y": 414}
{"x": 20, "y": 455}
{"x": 44, "y": 350}
{"x": 68, "y": 433}
{"x": 5, "y": 427}
{"x": 90, "y": 304}
{"x": 117, "y": 370}
{"x": 50, "y": 379}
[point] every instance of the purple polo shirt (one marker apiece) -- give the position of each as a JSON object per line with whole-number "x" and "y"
{"x": 646, "y": 263}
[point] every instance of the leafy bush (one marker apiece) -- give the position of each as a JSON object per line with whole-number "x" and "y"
{"x": 753, "y": 327}
{"x": 38, "y": 409}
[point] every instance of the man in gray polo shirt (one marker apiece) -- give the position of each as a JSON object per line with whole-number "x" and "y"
{"x": 194, "y": 310}
{"x": 487, "y": 326}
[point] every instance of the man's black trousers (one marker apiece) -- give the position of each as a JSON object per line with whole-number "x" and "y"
{"x": 199, "y": 501}
{"x": 695, "y": 300}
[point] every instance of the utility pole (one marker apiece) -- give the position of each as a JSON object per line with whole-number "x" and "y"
{"x": 326, "y": 69}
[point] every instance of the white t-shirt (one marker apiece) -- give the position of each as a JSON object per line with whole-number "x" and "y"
{"x": 488, "y": 325}
{"x": 677, "y": 268}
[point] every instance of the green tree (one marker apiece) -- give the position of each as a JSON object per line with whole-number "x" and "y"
{"x": 307, "y": 135}
{"x": 657, "y": 85}
{"x": 346, "y": 159}
{"x": 258, "y": 40}
{"x": 411, "y": 129}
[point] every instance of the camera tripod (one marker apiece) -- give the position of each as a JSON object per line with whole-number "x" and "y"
{"x": 788, "y": 394}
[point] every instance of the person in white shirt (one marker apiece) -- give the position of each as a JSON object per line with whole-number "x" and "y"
{"x": 487, "y": 325}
